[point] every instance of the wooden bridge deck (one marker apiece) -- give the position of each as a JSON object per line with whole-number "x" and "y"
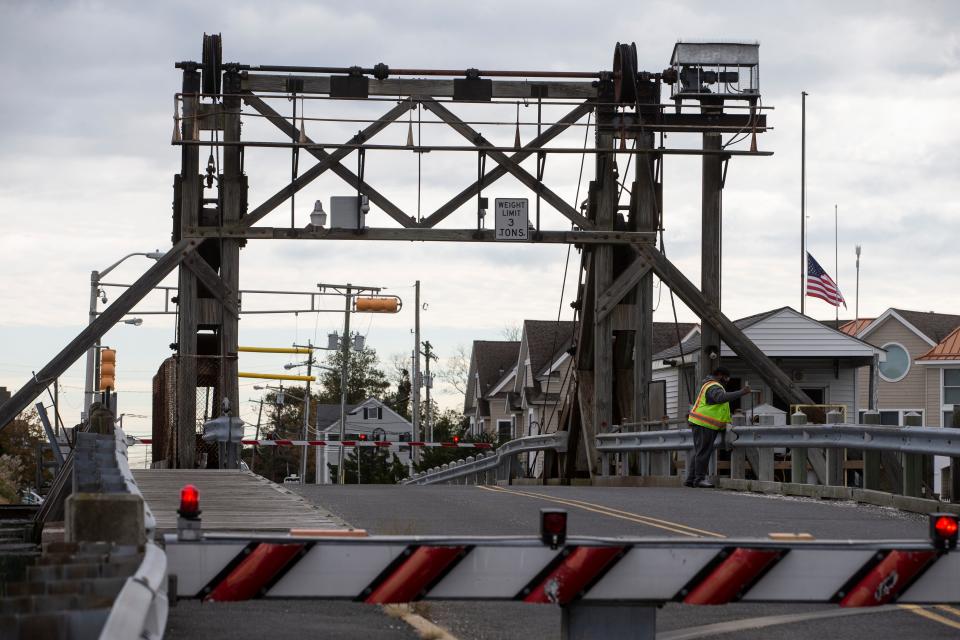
{"x": 230, "y": 501}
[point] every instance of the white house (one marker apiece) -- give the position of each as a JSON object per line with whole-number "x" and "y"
{"x": 371, "y": 419}
{"x": 822, "y": 361}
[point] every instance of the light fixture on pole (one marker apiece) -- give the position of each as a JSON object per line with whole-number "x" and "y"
{"x": 97, "y": 293}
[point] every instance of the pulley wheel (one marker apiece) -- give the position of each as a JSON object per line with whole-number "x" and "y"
{"x": 212, "y": 64}
{"x": 625, "y": 73}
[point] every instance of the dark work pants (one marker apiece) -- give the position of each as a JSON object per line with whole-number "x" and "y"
{"x": 703, "y": 441}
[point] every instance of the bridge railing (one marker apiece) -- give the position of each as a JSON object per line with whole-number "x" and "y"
{"x": 503, "y": 463}
{"x": 891, "y": 459}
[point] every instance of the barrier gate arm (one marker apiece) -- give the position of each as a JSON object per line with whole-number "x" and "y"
{"x": 607, "y": 587}
{"x": 636, "y": 571}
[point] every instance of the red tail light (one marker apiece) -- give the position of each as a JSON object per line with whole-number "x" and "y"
{"x": 189, "y": 502}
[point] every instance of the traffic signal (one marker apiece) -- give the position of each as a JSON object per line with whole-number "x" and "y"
{"x": 378, "y": 304}
{"x": 108, "y": 369}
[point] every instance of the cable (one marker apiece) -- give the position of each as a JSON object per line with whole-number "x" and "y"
{"x": 563, "y": 286}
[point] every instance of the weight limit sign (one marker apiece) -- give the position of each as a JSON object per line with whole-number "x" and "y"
{"x": 510, "y": 218}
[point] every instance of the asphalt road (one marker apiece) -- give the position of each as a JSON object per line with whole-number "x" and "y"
{"x": 459, "y": 510}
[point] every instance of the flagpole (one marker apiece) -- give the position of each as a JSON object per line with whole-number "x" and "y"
{"x": 836, "y": 258}
{"x": 803, "y": 201}
{"x": 857, "y": 304}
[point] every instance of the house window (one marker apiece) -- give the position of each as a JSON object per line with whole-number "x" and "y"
{"x": 897, "y": 364}
{"x": 373, "y": 413}
{"x": 504, "y": 430}
{"x": 951, "y": 386}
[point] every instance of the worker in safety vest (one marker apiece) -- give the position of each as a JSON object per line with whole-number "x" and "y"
{"x": 709, "y": 416}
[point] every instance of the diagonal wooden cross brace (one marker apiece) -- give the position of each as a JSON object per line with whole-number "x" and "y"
{"x": 329, "y": 161}
{"x": 512, "y": 167}
{"x": 212, "y": 281}
{"x": 499, "y": 171}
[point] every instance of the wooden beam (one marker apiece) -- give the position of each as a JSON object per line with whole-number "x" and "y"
{"x": 499, "y": 171}
{"x": 94, "y": 331}
{"x": 512, "y": 167}
{"x": 711, "y": 196}
{"x": 644, "y": 216}
{"x": 393, "y": 87}
{"x": 211, "y": 280}
{"x": 779, "y": 381}
{"x": 331, "y": 161}
{"x": 419, "y": 235}
{"x": 625, "y": 282}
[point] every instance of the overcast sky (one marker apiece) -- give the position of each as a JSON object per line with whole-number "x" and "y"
{"x": 86, "y": 164}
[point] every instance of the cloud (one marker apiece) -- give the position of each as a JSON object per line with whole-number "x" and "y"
{"x": 87, "y": 164}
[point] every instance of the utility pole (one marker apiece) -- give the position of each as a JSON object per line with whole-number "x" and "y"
{"x": 428, "y": 383}
{"x": 415, "y": 378}
{"x": 345, "y": 354}
{"x": 253, "y": 456}
{"x": 306, "y": 417}
{"x": 803, "y": 202}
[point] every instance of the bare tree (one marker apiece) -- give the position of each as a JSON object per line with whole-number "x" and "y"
{"x": 511, "y": 332}
{"x": 456, "y": 370}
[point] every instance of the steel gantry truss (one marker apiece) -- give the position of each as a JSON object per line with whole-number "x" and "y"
{"x": 620, "y": 254}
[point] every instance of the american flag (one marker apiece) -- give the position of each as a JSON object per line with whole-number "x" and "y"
{"x": 820, "y": 285}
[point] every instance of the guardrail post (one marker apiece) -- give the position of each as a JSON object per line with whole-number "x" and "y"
{"x": 912, "y": 462}
{"x": 871, "y": 459}
{"x": 835, "y": 456}
{"x": 581, "y": 621}
{"x": 738, "y": 456}
{"x": 765, "y": 455}
{"x": 798, "y": 455}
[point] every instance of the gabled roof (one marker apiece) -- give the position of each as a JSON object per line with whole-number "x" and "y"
{"x": 489, "y": 361}
{"x": 946, "y": 349}
{"x": 545, "y": 339}
{"x": 693, "y": 344}
{"x": 328, "y": 414}
{"x": 935, "y": 326}
{"x": 929, "y": 326}
{"x": 822, "y": 340}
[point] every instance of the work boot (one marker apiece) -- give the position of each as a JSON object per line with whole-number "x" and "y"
{"x": 705, "y": 484}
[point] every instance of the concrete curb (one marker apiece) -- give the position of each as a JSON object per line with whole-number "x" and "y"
{"x": 878, "y": 498}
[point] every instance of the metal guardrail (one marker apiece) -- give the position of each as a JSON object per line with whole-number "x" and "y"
{"x": 493, "y": 460}
{"x": 123, "y": 463}
{"x": 913, "y": 440}
{"x": 140, "y": 610}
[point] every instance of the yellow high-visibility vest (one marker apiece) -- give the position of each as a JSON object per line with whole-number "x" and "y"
{"x": 711, "y": 416}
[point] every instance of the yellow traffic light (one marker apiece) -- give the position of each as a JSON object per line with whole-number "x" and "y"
{"x": 379, "y": 304}
{"x": 108, "y": 369}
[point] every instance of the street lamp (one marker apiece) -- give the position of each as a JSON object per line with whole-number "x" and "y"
{"x": 95, "y": 293}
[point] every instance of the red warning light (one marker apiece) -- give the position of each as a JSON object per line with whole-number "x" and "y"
{"x": 553, "y": 527}
{"x": 943, "y": 530}
{"x": 946, "y": 526}
{"x": 456, "y": 439}
{"x": 189, "y": 502}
